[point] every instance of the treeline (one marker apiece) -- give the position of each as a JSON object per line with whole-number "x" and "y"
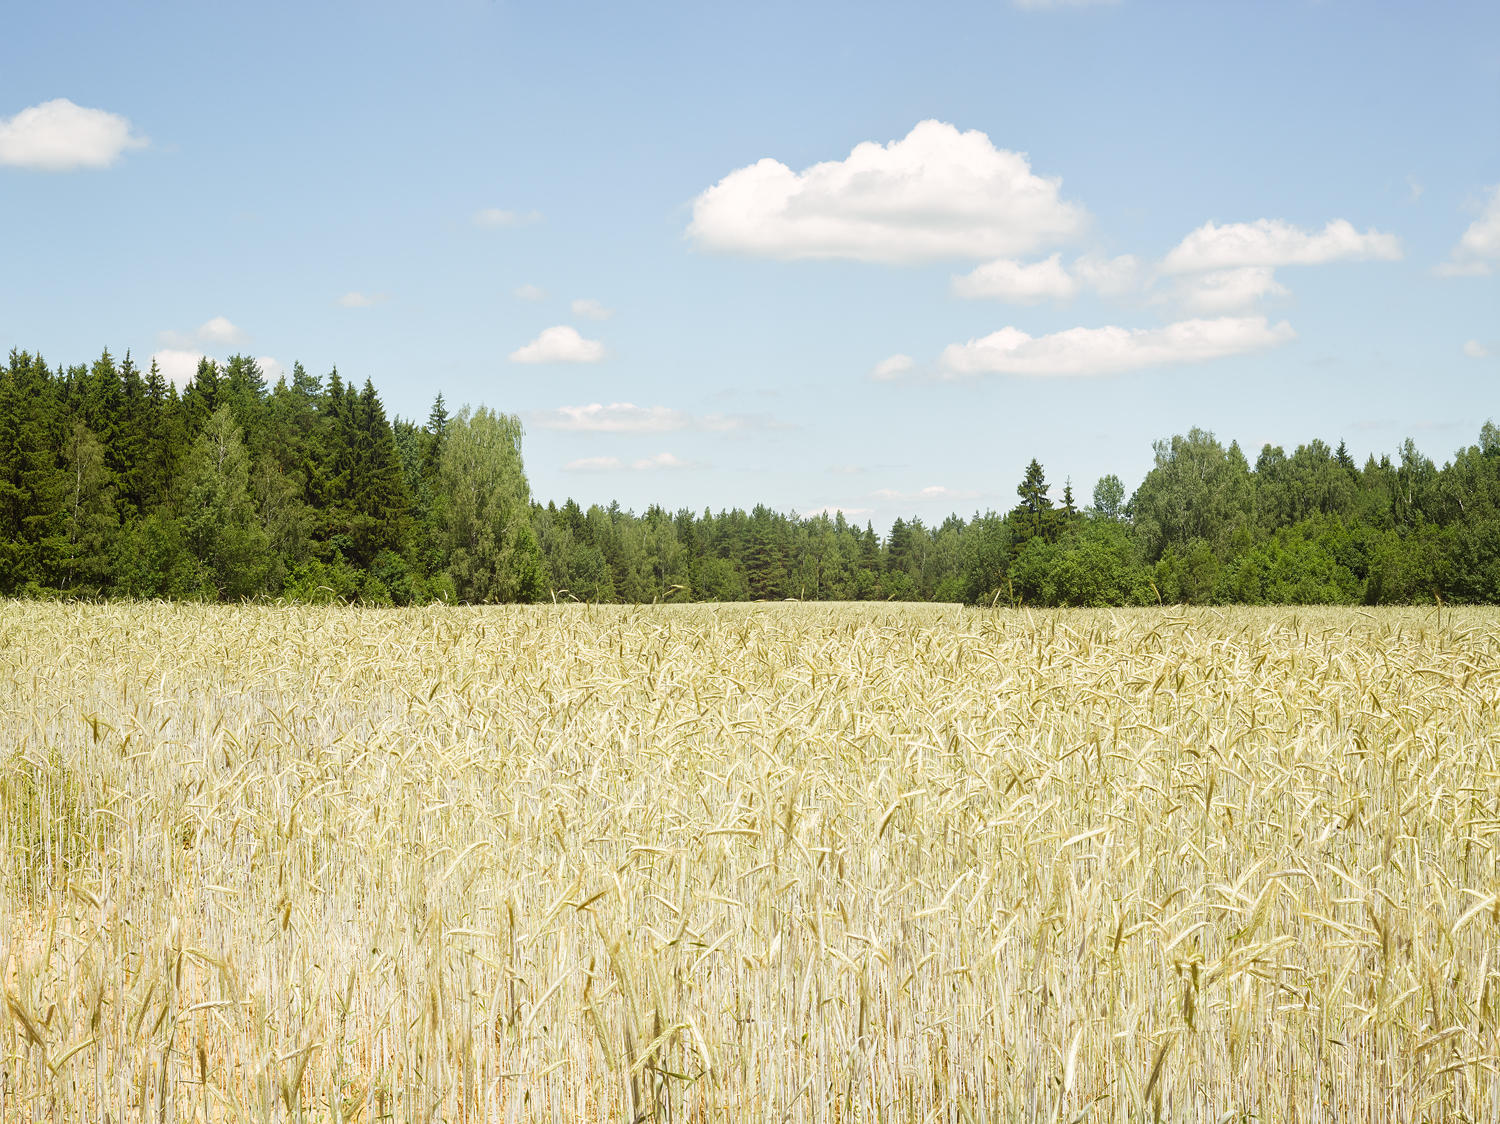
{"x": 112, "y": 483}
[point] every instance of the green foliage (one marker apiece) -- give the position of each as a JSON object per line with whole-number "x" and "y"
{"x": 113, "y": 484}
{"x": 316, "y": 582}
{"x": 221, "y": 528}
{"x": 1095, "y": 564}
{"x": 90, "y": 518}
{"x": 1109, "y": 497}
{"x": 1034, "y": 517}
{"x": 154, "y": 561}
{"x": 485, "y": 510}
{"x": 1198, "y": 490}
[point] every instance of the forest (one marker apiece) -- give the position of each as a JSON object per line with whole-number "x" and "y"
{"x": 115, "y": 484}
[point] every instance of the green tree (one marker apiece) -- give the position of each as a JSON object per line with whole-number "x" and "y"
{"x": 1034, "y": 517}
{"x": 90, "y": 519}
{"x": 1198, "y": 490}
{"x": 1109, "y": 497}
{"x": 33, "y": 543}
{"x": 492, "y": 552}
{"x": 221, "y": 529}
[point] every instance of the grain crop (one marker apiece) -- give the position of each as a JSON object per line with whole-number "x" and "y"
{"x": 766, "y": 862}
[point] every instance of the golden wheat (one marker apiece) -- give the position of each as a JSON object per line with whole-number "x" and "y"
{"x": 788, "y": 862}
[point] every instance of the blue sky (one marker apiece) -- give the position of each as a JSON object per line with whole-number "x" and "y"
{"x": 867, "y": 256}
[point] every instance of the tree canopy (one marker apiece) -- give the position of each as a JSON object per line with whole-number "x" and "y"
{"x": 114, "y": 483}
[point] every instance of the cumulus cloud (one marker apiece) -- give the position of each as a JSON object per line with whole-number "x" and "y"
{"x": 560, "y": 344}
{"x": 177, "y": 365}
{"x": 1479, "y": 245}
{"x": 937, "y": 193}
{"x": 497, "y": 217}
{"x": 660, "y": 460}
{"x": 1476, "y": 350}
{"x": 1272, "y": 242}
{"x": 220, "y": 330}
{"x": 361, "y": 300}
{"x": 892, "y": 368}
{"x": 617, "y": 417}
{"x": 1109, "y": 277}
{"x": 1228, "y": 290}
{"x": 529, "y": 292}
{"x": 627, "y": 417}
{"x": 587, "y": 308}
{"x": 931, "y": 492}
{"x": 1110, "y": 350}
{"x": 58, "y": 136}
{"x": 615, "y": 464}
{"x": 271, "y": 369}
{"x": 1016, "y": 283}
{"x": 1019, "y": 283}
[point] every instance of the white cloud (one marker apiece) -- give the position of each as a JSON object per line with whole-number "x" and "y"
{"x": 1016, "y": 283}
{"x": 1479, "y": 245}
{"x": 58, "y": 136}
{"x": 615, "y": 464}
{"x": 1109, "y": 277}
{"x": 1103, "y": 351}
{"x": 1228, "y": 290}
{"x": 627, "y": 417}
{"x": 660, "y": 460}
{"x": 271, "y": 369}
{"x": 617, "y": 417}
{"x": 1476, "y": 350}
{"x": 361, "y": 300}
{"x": 496, "y": 217}
{"x": 892, "y": 367}
{"x": 560, "y": 344}
{"x": 1272, "y": 242}
{"x": 589, "y": 309}
{"x": 177, "y": 365}
{"x": 529, "y": 292}
{"x": 220, "y": 330}
{"x": 937, "y": 193}
{"x": 931, "y": 492}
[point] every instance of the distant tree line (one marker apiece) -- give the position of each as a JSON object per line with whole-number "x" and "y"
{"x": 112, "y": 483}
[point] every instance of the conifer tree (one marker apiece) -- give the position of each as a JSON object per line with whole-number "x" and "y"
{"x": 1033, "y": 517}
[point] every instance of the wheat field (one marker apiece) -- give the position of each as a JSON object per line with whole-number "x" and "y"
{"x": 771, "y": 862}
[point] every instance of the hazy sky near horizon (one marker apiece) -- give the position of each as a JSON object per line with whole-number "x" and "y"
{"x": 867, "y": 256}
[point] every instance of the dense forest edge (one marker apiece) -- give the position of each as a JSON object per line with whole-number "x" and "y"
{"x": 114, "y": 484}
